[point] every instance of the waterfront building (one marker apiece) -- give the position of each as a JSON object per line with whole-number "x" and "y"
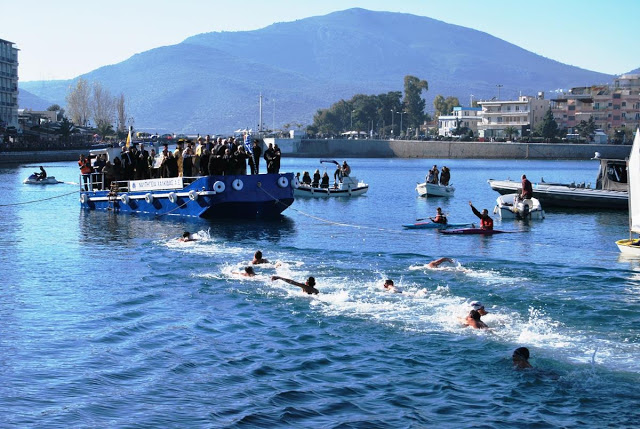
{"x": 465, "y": 117}
{"x": 522, "y": 114}
{"x": 8, "y": 84}
{"x": 613, "y": 107}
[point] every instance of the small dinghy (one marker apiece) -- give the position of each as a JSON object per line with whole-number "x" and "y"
{"x": 511, "y": 206}
{"x": 434, "y": 190}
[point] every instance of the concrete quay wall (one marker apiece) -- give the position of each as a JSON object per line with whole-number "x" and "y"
{"x": 445, "y": 149}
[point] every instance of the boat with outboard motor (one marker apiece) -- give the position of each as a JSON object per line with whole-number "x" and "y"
{"x": 631, "y": 246}
{"x": 434, "y": 190}
{"x": 34, "y": 179}
{"x": 511, "y": 206}
{"x": 345, "y": 185}
{"x": 610, "y": 192}
{"x": 215, "y": 196}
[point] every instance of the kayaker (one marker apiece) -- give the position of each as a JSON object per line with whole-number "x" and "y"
{"x": 440, "y": 218}
{"x": 307, "y": 286}
{"x": 485, "y": 221}
{"x": 527, "y": 189}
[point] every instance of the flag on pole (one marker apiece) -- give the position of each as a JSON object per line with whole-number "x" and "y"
{"x": 247, "y": 143}
{"x": 129, "y": 138}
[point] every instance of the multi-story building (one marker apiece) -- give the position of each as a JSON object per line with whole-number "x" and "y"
{"x": 465, "y": 117}
{"x": 8, "y": 84}
{"x": 612, "y": 107}
{"x": 522, "y": 114}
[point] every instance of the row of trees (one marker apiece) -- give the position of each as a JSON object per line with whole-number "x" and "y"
{"x": 386, "y": 114}
{"x": 87, "y": 101}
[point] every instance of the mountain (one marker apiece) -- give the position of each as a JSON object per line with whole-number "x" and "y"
{"x": 210, "y": 83}
{"x": 31, "y": 101}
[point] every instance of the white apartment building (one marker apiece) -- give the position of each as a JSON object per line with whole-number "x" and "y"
{"x": 8, "y": 84}
{"x": 464, "y": 116}
{"x": 523, "y": 114}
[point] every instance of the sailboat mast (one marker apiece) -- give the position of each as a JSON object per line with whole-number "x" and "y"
{"x": 260, "y": 125}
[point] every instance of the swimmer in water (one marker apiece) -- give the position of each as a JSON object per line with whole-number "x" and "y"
{"x": 307, "y": 287}
{"x": 521, "y": 358}
{"x": 257, "y": 258}
{"x": 473, "y": 320}
{"x": 389, "y": 286}
{"x": 438, "y": 262}
{"x": 186, "y": 236}
{"x": 479, "y": 307}
{"x": 248, "y": 272}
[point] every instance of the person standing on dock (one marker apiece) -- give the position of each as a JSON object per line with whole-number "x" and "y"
{"x": 485, "y": 221}
{"x": 257, "y": 152}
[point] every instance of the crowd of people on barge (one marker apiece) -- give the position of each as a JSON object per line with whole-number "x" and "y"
{"x": 206, "y": 156}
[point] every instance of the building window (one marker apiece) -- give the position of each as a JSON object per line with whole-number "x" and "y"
{"x": 572, "y": 107}
{"x": 616, "y": 118}
{"x": 615, "y": 96}
{"x": 616, "y": 107}
{"x": 624, "y": 104}
{"x": 572, "y": 118}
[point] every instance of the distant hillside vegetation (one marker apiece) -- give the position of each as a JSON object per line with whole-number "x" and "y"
{"x": 210, "y": 83}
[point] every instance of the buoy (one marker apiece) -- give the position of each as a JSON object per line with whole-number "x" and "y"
{"x": 84, "y": 198}
{"x": 219, "y": 187}
{"x": 148, "y": 198}
{"x": 193, "y": 195}
{"x": 283, "y": 182}
{"x": 296, "y": 182}
{"x": 237, "y": 185}
{"x": 173, "y": 197}
{"x": 124, "y": 199}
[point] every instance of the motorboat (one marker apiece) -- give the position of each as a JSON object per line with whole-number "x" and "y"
{"x": 631, "y": 245}
{"x": 257, "y": 196}
{"x": 34, "y": 179}
{"x": 434, "y": 190}
{"x": 511, "y": 206}
{"x": 610, "y": 192}
{"x": 345, "y": 186}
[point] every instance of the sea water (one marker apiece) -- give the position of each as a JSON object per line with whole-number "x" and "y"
{"x": 107, "y": 320}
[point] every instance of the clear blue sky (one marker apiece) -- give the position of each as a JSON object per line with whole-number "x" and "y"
{"x": 63, "y": 39}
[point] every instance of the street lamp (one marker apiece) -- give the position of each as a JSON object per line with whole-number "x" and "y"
{"x": 401, "y": 114}
{"x": 393, "y": 115}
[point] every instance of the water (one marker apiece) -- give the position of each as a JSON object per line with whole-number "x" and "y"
{"x": 107, "y": 321}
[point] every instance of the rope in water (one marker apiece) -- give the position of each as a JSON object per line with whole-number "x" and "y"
{"x": 38, "y": 201}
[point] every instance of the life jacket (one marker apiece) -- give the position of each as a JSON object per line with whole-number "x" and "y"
{"x": 85, "y": 168}
{"x": 486, "y": 223}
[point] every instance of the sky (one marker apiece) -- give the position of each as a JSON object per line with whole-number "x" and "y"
{"x": 64, "y": 39}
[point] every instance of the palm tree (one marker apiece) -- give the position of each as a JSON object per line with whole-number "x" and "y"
{"x": 510, "y": 131}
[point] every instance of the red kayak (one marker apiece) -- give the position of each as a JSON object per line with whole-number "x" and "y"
{"x": 472, "y": 231}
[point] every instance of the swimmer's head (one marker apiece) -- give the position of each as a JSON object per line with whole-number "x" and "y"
{"x": 249, "y": 270}
{"x": 477, "y": 305}
{"x": 474, "y": 315}
{"x": 186, "y": 234}
{"x": 485, "y": 212}
{"x": 311, "y": 281}
{"x": 388, "y": 283}
{"x": 258, "y": 255}
{"x": 521, "y": 353}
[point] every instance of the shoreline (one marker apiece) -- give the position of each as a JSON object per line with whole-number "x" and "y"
{"x": 315, "y": 148}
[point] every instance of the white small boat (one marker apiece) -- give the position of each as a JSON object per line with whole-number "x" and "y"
{"x": 434, "y": 190}
{"x": 34, "y": 179}
{"x": 349, "y": 187}
{"x": 631, "y": 246}
{"x": 510, "y": 206}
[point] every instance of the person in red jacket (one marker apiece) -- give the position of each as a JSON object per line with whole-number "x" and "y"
{"x": 485, "y": 221}
{"x": 527, "y": 189}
